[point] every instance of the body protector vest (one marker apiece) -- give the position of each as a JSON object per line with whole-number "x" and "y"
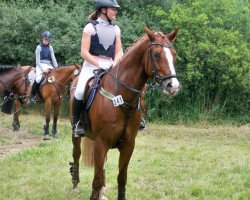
{"x": 45, "y": 52}
{"x": 103, "y": 42}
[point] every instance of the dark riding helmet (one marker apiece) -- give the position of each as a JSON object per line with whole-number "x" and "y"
{"x": 47, "y": 35}
{"x": 106, "y": 3}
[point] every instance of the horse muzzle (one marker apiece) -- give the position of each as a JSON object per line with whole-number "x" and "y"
{"x": 171, "y": 86}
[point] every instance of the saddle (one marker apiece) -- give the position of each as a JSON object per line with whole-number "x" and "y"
{"x": 45, "y": 79}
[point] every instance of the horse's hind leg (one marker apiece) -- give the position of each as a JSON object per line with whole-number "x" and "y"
{"x": 126, "y": 152}
{"x": 15, "y": 121}
{"x": 100, "y": 153}
{"x": 74, "y": 166}
{"x": 56, "y": 112}
{"x": 47, "y": 118}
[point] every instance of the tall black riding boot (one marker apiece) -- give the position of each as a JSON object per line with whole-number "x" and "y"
{"x": 77, "y": 107}
{"x": 34, "y": 89}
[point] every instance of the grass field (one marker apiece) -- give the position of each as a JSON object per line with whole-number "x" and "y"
{"x": 169, "y": 162}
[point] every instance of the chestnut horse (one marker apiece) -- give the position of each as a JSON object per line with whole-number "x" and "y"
{"x": 14, "y": 81}
{"x": 117, "y": 126}
{"x": 52, "y": 93}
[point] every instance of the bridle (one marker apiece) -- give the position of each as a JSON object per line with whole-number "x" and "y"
{"x": 159, "y": 79}
{"x": 156, "y": 75}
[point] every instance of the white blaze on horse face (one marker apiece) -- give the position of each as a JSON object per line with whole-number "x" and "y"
{"x": 174, "y": 81}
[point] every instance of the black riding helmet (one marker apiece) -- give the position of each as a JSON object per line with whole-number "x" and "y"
{"x": 46, "y": 35}
{"x": 106, "y": 3}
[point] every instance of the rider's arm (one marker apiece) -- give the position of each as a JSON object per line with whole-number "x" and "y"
{"x": 53, "y": 57}
{"x": 118, "y": 49}
{"x": 85, "y": 46}
{"x": 38, "y": 56}
{"x": 118, "y": 45}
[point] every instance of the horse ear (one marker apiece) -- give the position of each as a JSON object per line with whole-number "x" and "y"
{"x": 149, "y": 33}
{"x": 172, "y": 36}
{"x": 77, "y": 66}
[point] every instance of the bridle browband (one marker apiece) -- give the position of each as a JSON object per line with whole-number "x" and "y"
{"x": 155, "y": 71}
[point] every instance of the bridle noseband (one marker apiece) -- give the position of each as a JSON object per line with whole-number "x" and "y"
{"x": 155, "y": 71}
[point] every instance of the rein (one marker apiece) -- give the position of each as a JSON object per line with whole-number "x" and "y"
{"x": 117, "y": 80}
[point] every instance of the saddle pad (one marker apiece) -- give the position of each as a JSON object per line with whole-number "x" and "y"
{"x": 92, "y": 93}
{"x": 32, "y": 77}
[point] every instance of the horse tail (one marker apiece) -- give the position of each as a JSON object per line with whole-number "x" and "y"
{"x": 88, "y": 152}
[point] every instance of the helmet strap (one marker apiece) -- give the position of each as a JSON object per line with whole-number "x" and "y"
{"x": 105, "y": 13}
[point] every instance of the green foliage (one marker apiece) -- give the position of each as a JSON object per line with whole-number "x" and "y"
{"x": 213, "y": 56}
{"x": 213, "y": 62}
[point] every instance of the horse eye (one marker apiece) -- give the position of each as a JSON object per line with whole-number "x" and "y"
{"x": 157, "y": 56}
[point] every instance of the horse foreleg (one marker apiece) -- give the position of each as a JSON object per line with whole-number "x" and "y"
{"x": 126, "y": 152}
{"x": 47, "y": 118}
{"x": 100, "y": 153}
{"x": 15, "y": 121}
{"x": 56, "y": 112}
{"x": 74, "y": 166}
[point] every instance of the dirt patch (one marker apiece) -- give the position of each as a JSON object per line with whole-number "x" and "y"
{"x": 13, "y": 142}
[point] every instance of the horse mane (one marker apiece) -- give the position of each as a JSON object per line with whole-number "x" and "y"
{"x": 131, "y": 46}
{"x": 6, "y": 68}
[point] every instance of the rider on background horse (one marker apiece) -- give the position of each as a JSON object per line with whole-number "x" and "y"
{"x": 45, "y": 61}
{"x": 100, "y": 48}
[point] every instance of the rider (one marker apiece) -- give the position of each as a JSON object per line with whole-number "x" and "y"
{"x": 45, "y": 60}
{"x": 100, "y": 48}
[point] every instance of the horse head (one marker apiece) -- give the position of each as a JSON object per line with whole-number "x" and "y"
{"x": 161, "y": 55}
{"x": 25, "y": 86}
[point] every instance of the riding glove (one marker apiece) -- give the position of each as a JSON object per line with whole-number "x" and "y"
{"x": 104, "y": 65}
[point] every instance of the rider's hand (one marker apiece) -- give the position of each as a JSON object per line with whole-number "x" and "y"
{"x": 45, "y": 69}
{"x": 104, "y": 65}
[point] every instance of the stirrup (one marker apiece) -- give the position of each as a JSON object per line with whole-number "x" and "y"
{"x": 33, "y": 99}
{"x": 78, "y": 130}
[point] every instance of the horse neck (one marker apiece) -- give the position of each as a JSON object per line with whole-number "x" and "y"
{"x": 131, "y": 69}
{"x": 64, "y": 74}
{"x": 13, "y": 80}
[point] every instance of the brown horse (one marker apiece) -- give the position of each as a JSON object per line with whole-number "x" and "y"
{"x": 14, "y": 81}
{"x": 52, "y": 93}
{"x": 117, "y": 126}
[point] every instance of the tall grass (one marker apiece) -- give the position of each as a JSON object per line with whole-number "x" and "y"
{"x": 169, "y": 162}
{"x": 181, "y": 110}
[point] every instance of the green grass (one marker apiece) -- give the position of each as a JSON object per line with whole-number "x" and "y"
{"x": 201, "y": 161}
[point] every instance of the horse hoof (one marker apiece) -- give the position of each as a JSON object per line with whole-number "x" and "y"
{"x": 103, "y": 197}
{"x": 55, "y": 136}
{"x": 76, "y": 189}
{"x": 102, "y": 194}
{"x": 75, "y": 183}
{"x": 16, "y": 129}
{"x": 46, "y": 137}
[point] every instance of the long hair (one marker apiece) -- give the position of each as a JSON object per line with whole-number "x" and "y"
{"x": 94, "y": 15}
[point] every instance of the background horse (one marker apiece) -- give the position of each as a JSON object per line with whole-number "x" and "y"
{"x": 52, "y": 94}
{"x": 14, "y": 84}
{"x": 117, "y": 126}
